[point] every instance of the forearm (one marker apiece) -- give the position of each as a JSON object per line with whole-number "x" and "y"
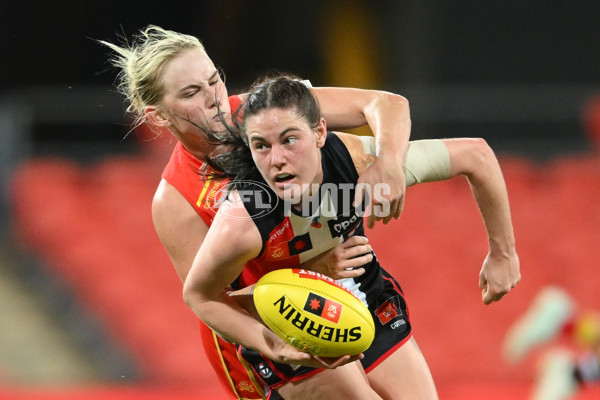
{"x": 232, "y": 240}
{"x": 474, "y": 159}
{"x": 489, "y": 190}
{"x": 232, "y": 322}
{"x": 496, "y": 216}
{"x": 388, "y": 116}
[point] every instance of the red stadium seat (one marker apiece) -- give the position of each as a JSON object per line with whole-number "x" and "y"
{"x": 95, "y": 228}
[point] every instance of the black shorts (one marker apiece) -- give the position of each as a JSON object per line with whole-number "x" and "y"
{"x": 392, "y": 330}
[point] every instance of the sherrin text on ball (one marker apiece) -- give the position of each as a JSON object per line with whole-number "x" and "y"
{"x": 314, "y": 313}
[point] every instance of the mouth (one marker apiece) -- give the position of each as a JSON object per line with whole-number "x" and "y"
{"x": 283, "y": 179}
{"x": 217, "y": 117}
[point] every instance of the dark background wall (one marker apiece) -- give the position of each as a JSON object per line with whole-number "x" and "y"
{"x": 515, "y": 72}
{"x": 463, "y": 41}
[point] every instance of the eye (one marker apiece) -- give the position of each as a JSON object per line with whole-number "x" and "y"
{"x": 189, "y": 94}
{"x": 259, "y": 146}
{"x": 290, "y": 140}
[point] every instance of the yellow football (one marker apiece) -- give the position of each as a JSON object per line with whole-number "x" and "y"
{"x": 314, "y": 313}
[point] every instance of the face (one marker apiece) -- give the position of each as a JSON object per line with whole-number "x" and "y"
{"x": 286, "y": 151}
{"x": 192, "y": 84}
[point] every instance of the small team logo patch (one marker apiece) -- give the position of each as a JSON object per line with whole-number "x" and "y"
{"x": 264, "y": 370}
{"x": 388, "y": 311}
{"x": 277, "y": 253}
{"x": 324, "y": 308}
{"x": 299, "y": 244}
{"x": 245, "y": 386}
{"x": 315, "y": 223}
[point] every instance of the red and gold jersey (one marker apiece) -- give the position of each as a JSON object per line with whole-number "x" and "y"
{"x": 185, "y": 173}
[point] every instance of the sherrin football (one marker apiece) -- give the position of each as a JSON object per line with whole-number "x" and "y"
{"x": 313, "y": 313}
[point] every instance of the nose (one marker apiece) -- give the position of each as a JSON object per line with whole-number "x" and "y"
{"x": 210, "y": 96}
{"x": 277, "y": 157}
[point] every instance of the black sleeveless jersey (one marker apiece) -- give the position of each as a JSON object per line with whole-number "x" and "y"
{"x": 290, "y": 238}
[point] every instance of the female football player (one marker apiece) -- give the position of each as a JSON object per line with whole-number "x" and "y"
{"x": 283, "y": 144}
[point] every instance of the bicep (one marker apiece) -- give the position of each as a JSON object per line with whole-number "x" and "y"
{"x": 425, "y": 160}
{"x": 430, "y": 160}
{"x": 441, "y": 159}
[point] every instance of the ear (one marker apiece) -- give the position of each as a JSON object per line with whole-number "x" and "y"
{"x": 156, "y": 117}
{"x": 321, "y": 133}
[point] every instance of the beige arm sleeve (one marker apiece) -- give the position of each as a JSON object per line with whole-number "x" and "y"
{"x": 425, "y": 161}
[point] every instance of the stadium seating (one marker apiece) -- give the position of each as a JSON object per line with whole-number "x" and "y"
{"x": 92, "y": 226}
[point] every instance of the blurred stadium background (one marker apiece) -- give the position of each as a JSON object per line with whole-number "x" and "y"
{"x": 90, "y": 306}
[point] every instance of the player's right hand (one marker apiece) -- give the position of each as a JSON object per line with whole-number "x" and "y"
{"x": 291, "y": 355}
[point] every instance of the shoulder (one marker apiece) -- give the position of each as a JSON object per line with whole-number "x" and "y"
{"x": 167, "y": 196}
{"x": 171, "y": 210}
{"x": 235, "y": 101}
{"x": 356, "y": 147}
{"x": 178, "y": 227}
{"x": 181, "y": 165}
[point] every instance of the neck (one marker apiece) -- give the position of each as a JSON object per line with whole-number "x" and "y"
{"x": 198, "y": 146}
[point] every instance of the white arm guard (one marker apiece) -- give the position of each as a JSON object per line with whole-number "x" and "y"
{"x": 425, "y": 161}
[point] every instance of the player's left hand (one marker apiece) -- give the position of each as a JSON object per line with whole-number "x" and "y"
{"x": 384, "y": 183}
{"x": 346, "y": 260}
{"x": 498, "y": 276}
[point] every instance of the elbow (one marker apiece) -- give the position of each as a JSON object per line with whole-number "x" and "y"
{"x": 481, "y": 156}
{"x": 398, "y": 101}
{"x": 188, "y": 295}
{"x": 482, "y": 152}
{"x": 394, "y": 97}
{"x": 388, "y": 100}
{"x": 469, "y": 156}
{"x": 401, "y": 100}
{"x": 191, "y": 297}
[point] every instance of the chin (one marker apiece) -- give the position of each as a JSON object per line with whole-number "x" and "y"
{"x": 291, "y": 195}
{"x": 217, "y": 127}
